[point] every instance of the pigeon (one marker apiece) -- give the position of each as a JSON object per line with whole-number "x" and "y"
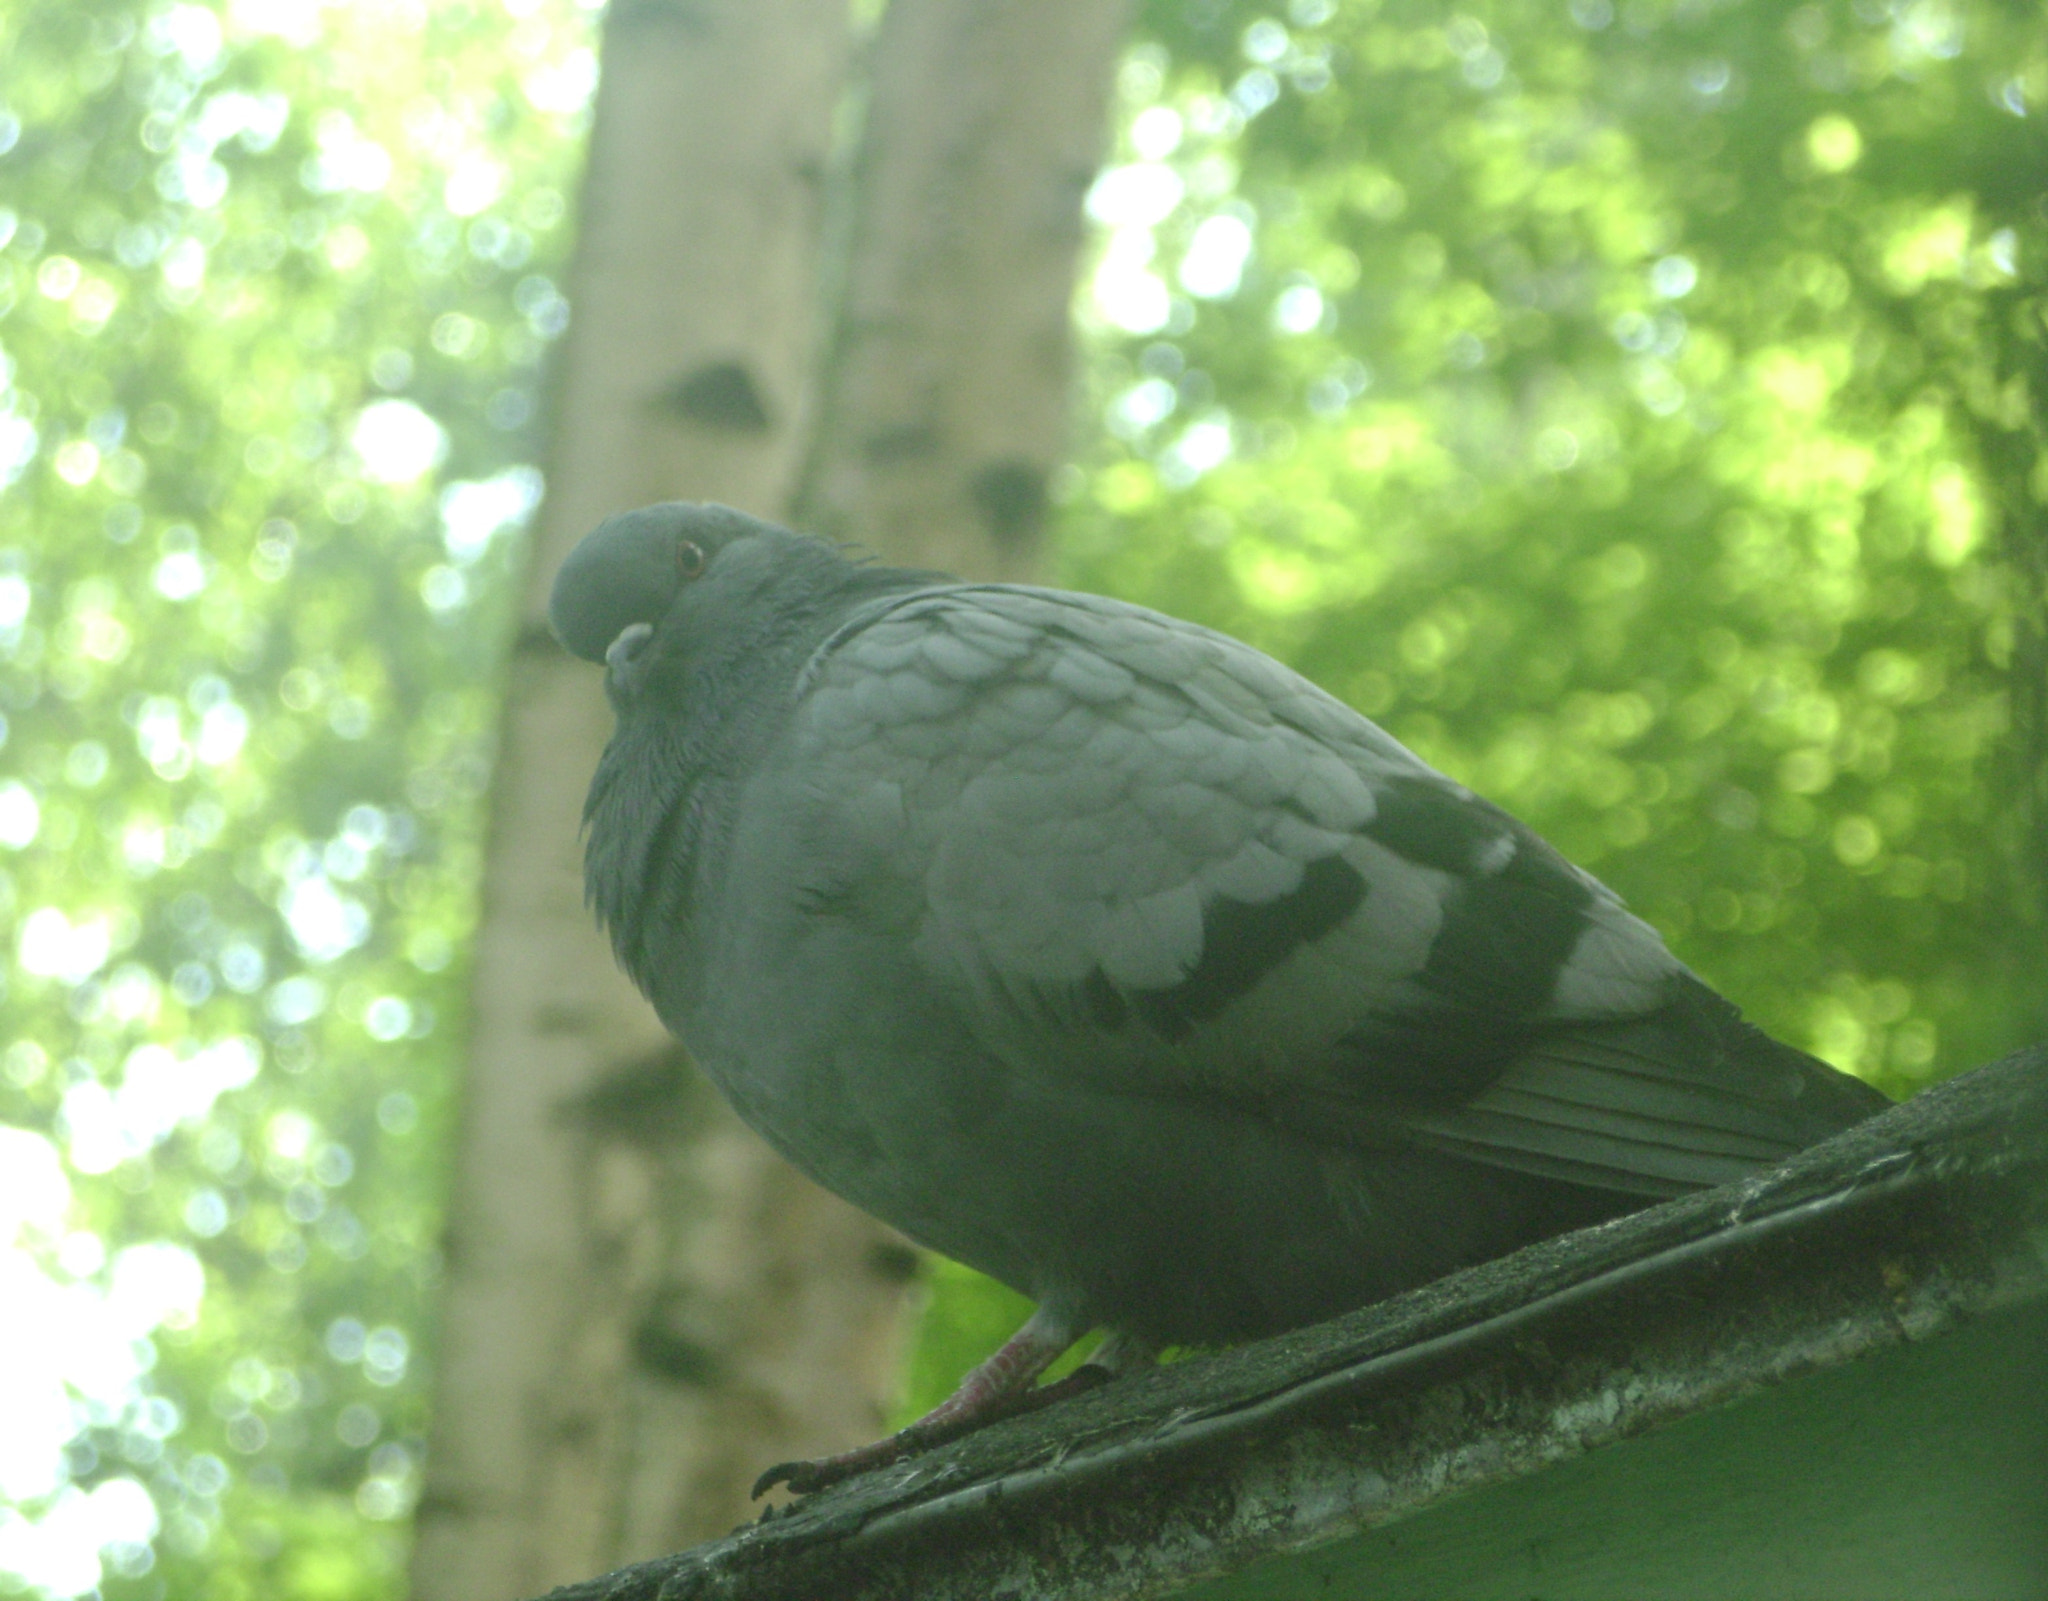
{"x": 1105, "y": 954}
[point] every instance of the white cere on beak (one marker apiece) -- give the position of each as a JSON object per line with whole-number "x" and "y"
{"x": 623, "y": 649}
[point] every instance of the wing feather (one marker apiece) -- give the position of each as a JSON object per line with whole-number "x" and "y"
{"x": 1141, "y": 849}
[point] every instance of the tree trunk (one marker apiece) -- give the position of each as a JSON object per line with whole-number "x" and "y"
{"x": 645, "y": 1307}
{"x": 947, "y": 392}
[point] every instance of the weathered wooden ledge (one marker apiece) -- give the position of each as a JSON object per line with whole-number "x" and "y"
{"x": 1828, "y": 1381}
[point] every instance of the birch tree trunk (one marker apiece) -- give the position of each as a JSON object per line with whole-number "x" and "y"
{"x": 644, "y": 1306}
{"x": 947, "y": 391}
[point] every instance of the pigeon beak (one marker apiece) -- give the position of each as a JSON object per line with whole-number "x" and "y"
{"x": 623, "y": 649}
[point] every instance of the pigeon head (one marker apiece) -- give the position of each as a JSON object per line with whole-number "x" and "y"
{"x": 668, "y": 589}
{"x": 635, "y": 570}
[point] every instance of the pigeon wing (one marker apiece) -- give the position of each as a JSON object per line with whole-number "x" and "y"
{"x": 1131, "y": 847}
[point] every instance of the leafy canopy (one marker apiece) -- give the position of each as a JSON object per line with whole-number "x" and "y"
{"x": 276, "y": 285}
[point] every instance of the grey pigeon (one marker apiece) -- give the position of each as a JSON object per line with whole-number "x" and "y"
{"x": 1107, "y": 955}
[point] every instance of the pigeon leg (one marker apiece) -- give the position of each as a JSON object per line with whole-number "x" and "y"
{"x": 999, "y": 1386}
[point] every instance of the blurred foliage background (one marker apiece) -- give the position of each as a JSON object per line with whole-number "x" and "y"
{"x": 1636, "y": 407}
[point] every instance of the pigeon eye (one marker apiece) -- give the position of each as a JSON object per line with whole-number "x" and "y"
{"x": 689, "y": 559}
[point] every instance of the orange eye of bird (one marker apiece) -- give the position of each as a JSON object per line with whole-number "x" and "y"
{"x": 689, "y": 559}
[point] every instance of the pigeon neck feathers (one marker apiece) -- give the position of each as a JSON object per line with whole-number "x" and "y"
{"x": 701, "y": 696}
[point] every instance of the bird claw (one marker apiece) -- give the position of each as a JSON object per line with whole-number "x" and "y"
{"x": 781, "y": 1473}
{"x": 807, "y": 1477}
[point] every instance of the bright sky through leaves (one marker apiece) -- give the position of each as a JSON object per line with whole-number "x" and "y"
{"x": 275, "y": 286}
